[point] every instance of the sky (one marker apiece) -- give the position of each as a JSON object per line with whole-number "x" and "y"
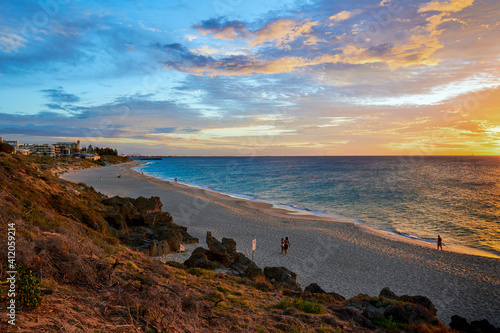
{"x": 252, "y": 78}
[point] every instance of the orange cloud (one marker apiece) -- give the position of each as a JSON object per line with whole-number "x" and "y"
{"x": 452, "y": 6}
{"x": 344, "y": 15}
{"x": 284, "y": 31}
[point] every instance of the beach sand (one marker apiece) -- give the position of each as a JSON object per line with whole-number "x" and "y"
{"x": 342, "y": 257}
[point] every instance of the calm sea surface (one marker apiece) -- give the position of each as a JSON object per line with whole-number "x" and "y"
{"x": 457, "y": 197}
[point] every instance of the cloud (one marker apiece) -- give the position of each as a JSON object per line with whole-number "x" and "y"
{"x": 452, "y": 6}
{"x": 165, "y": 130}
{"x": 222, "y": 30}
{"x": 344, "y": 15}
{"x": 10, "y": 42}
{"x": 58, "y": 95}
{"x": 54, "y": 106}
{"x": 53, "y": 131}
{"x": 282, "y": 32}
{"x": 205, "y": 50}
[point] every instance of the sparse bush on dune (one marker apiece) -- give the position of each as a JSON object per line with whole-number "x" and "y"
{"x": 302, "y": 305}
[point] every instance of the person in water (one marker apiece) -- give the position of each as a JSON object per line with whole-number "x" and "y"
{"x": 286, "y": 244}
{"x": 440, "y": 243}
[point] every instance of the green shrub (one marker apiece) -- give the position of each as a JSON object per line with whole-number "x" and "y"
{"x": 28, "y": 288}
{"x": 302, "y": 305}
{"x": 195, "y": 271}
{"x": 175, "y": 264}
{"x": 389, "y": 324}
{"x": 200, "y": 271}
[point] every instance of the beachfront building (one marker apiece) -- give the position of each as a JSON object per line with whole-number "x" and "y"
{"x": 74, "y": 147}
{"x": 43, "y": 150}
{"x": 61, "y": 150}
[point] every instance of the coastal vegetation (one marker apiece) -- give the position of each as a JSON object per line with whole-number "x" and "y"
{"x": 77, "y": 274}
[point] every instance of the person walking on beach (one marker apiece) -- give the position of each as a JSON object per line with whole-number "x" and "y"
{"x": 282, "y": 245}
{"x": 440, "y": 243}
{"x": 286, "y": 244}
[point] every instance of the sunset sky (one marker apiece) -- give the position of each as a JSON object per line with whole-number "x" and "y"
{"x": 260, "y": 77}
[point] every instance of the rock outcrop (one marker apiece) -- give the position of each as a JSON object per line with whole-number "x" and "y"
{"x": 480, "y": 326}
{"x": 140, "y": 223}
{"x": 404, "y": 310}
{"x": 223, "y": 254}
{"x": 420, "y": 300}
{"x": 242, "y": 266}
{"x": 283, "y": 277}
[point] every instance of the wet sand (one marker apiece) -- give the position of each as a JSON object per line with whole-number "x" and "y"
{"x": 342, "y": 257}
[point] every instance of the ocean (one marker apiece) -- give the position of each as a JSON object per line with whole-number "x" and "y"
{"x": 417, "y": 197}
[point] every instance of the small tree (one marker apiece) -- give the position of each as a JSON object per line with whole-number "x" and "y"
{"x": 6, "y": 148}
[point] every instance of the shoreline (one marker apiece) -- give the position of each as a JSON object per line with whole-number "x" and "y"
{"x": 343, "y": 257}
{"x": 285, "y": 210}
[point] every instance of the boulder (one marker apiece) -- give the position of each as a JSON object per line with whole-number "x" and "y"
{"x": 484, "y": 326}
{"x": 158, "y": 248}
{"x": 188, "y": 239}
{"x": 387, "y": 293}
{"x": 215, "y": 246}
{"x": 420, "y": 300}
{"x": 147, "y": 206}
{"x": 219, "y": 250}
{"x": 354, "y": 316}
{"x": 201, "y": 250}
{"x": 230, "y": 245}
{"x": 460, "y": 324}
{"x": 283, "y": 277}
{"x": 197, "y": 260}
{"x": 172, "y": 236}
{"x": 338, "y": 297}
{"x": 367, "y": 310}
{"x": 477, "y": 326}
{"x": 315, "y": 289}
{"x": 412, "y": 314}
{"x": 242, "y": 266}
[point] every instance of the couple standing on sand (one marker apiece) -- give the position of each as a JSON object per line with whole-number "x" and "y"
{"x": 285, "y": 244}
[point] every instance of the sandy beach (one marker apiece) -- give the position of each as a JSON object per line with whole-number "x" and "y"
{"x": 341, "y": 257}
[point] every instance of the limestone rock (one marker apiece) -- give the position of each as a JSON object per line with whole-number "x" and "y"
{"x": 230, "y": 245}
{"x": 222, "y": 255}
{"x": 478, "y": 326}
{"x": 367, "y": 310}
{"x": 140, "y": 222}
{"x": 420, "y": 300}
{"x": 459, "y": 323}
{"x": 158, "y": 248}
{"x": 243, "y": 266}
{"x": 408, "y": 313}
{"x": 283, "y": 277}
{"x": 315, "y": 289}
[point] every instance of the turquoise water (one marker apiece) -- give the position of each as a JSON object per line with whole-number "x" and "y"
{"x": 418, "y": 197}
